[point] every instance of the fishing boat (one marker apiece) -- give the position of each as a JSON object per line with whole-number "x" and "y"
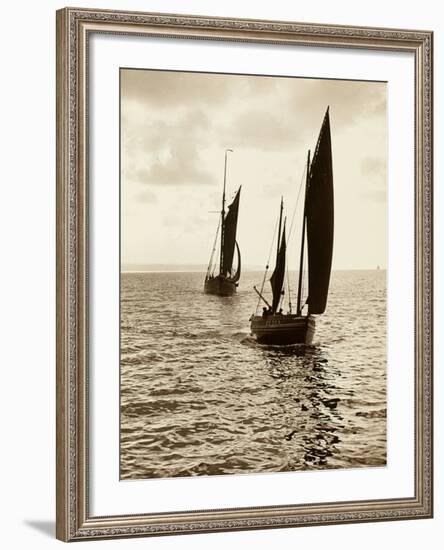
{"x": 273, "y": 326}
{"x": 223, "y": 279}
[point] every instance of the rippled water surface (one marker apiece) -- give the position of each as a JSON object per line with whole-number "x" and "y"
{"x": 199, "y": 396}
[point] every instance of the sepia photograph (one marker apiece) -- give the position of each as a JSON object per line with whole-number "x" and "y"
{"x": 253, "y": 272}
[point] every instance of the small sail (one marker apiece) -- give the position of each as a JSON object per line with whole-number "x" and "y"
{"x": 319, "y": 212}
{"x": 230, "y": 226}
{"x": 211, "y": 266}
{"x": 277, "y": 278}
{"x": 237, "y": 275}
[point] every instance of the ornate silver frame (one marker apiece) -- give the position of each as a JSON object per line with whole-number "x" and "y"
{"x": 73, "y": 519}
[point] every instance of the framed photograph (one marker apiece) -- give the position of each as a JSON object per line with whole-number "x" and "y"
{"x": 244, "y": 274}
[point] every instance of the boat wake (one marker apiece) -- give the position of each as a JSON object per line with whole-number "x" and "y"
{"x": 286, "y": 349}
{"x": 246, "y": 339}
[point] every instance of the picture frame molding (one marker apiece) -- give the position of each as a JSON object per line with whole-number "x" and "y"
{"x": 74, "y": 25}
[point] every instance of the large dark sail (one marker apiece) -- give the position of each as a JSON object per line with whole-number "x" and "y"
{"x": 229, "y": 235}
{"x": 277, "y": 278}
{"x": 319, "y": 213}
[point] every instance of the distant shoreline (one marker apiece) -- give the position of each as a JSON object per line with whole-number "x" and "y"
{"x": 246, "y": 269}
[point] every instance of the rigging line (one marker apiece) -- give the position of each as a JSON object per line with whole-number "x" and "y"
{"x": 289, "y": 290}
{"x": 267, "y": 266}
{"x": 214, "y": 250}
{"x": 296, "y": 205}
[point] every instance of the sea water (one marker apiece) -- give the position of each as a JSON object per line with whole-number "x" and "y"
{"x": 199, "y": 396}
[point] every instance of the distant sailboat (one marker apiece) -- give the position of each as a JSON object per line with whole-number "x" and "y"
{"x": 225, "y": 282}
{"x": 275, "y": 327}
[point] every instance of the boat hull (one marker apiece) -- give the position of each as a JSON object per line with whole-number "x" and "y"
{"x": 283, "y": 329}
{"x": 220, "y": 286}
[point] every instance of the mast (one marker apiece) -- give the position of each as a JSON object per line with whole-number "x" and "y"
{"x": 222, "y": 213}
{"x": 301, "y": 261}
{"x": 279, "y": 230}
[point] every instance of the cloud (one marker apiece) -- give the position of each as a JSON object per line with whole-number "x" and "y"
{"x": 182, "y": 147}
{"x": 175, "y": 127}
{"x": 164, "y": 89}
{"x": 147, "y": 133}
{"x": 163, "y": 112}
{"x": 261, "y": 130}
{"x": 182, "y": 166}
{"x": 349, "y": 101}
{"x": 284, "y": 113}
{"x": 261, "y": 86}
{"x": 373, "y": 166}
{"x": 146, "y": 196}
{"x": 374, "y": 170}
{"x": 165, "y": 153}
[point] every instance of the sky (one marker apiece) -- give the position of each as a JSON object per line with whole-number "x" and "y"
{"x": 175, "y": 127}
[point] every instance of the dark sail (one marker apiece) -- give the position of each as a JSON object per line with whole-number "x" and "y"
{"x": 319, "y": 213}
{"x": 229, "y": 243}
{"x": 277, "y": 279}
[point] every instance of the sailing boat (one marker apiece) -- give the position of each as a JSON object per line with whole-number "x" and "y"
{"x": 226, "y": 280}
{"x": 275, "y": 327}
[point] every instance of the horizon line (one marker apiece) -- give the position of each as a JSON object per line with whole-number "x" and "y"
{"x": 246, "y": 269}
